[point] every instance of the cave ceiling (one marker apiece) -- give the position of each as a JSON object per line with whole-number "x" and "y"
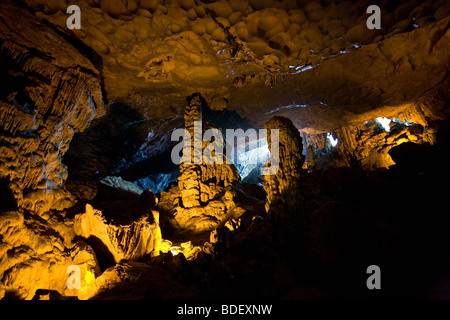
{"x": 313, "y": 61}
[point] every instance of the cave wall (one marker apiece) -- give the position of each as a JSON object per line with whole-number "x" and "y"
{"x": 51, "y": 92}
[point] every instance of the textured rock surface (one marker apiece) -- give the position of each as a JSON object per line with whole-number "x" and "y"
{"x": 203, "y": 196}
{"x": 367, "y": 144}
{"x": 139, "y": 280}
{"x": 201, "y": 183}
{"x": 352, "y": 88}
{"x": 51, "y": 91}
{"x": 139, "y": 239}
{"x": 312, "y": 62}
{"x": 284, "y": 188}
{"x": 170, "y": 50}
{"x": 36, "y": 254}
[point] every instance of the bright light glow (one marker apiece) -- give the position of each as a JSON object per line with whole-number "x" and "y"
{"x": 333, "y": 141}
{"x": 407, "y": 123}
{"x": 252, "y": 158}
{"x": 299, "y": 69}
{"x": 291, "y": 106}
{"x": 175, "y": 250}
{"x": 384, "y": 123}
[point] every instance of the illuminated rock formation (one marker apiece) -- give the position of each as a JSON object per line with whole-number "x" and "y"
{"x": 200, "y": 183}
{"x": 190, "y": 179}
{"x": 53, "y": 93}
{"x": 189, "y": 37}
{"x": 35, "y": 255}
{"x": 85, "y": 114}
{"x": 284, "y": 188}
{"x": 139, "y": 280}
{"x": 139, "y": 239}
{"x": 205, "y": 189}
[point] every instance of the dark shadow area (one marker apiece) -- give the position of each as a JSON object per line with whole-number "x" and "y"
{"x": 7, "y": 200}
{"x": 351, "y": 219}
{"x": 122, "y": 207}
{"x": 44, "y": 294}
{"x": 104, "y": 257}
{"x": 93, "y": 154}
{"x": 86, "y": 51}
{"x": 15, "y": 82}
{"x": 12, "y": 295}
{"x": 224, "y": 119}
{"x": 161, "y": 163}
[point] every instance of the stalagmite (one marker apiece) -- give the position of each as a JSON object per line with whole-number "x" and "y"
{"x": 311, "y": 157}
{"x": 284, "y": 188}
{"x": 205, "y": 189}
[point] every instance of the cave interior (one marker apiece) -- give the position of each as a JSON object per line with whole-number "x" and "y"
{"x": 87, "y": 171}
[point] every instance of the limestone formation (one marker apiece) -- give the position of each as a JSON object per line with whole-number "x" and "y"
{"x": 284, "y": 188}
{"x": 139, "y": 280}
{"x": 87, "y": 115}
{"x": 36, "y": 254}
{"x": 53, "y": 93}
{"x": 367, "y": 144}
{"x": 141, "y": 238}
{"x": 205, "y": 195}
{"x": 211, "y": 44}
{"x": 200, "y": 183}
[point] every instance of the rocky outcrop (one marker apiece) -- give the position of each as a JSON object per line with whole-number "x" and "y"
{"x": 284, "y": 187}
{"x": 312, "y": 64}
{"x": 200, "y": 183}
{"x": 378, "y": 79}
{"x": 50, "y": 92}
{"x": 36, "y": 254}
{"x": 316, "y": 55}
{"x": 141, "y": 238}
{"x": 367, "y": 145}
{"x": 204, "y": 195}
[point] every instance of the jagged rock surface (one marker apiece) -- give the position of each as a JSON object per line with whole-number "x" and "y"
{"x": 139, "y": 239}
{"x": 36, "y": 254}
{"x": 205, "y": 189}
{"x": 139, "y": 280}
{"x": 51, "y": 91}
{"x": 284, "y": 187}
{"x": 367, "y": 144}
{"x": 222, "y": 43}
{"x": 200, "y": 183}
{"x": 313, "y": 62}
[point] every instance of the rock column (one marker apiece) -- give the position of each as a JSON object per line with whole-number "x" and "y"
{"x": 283, "y": 188}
